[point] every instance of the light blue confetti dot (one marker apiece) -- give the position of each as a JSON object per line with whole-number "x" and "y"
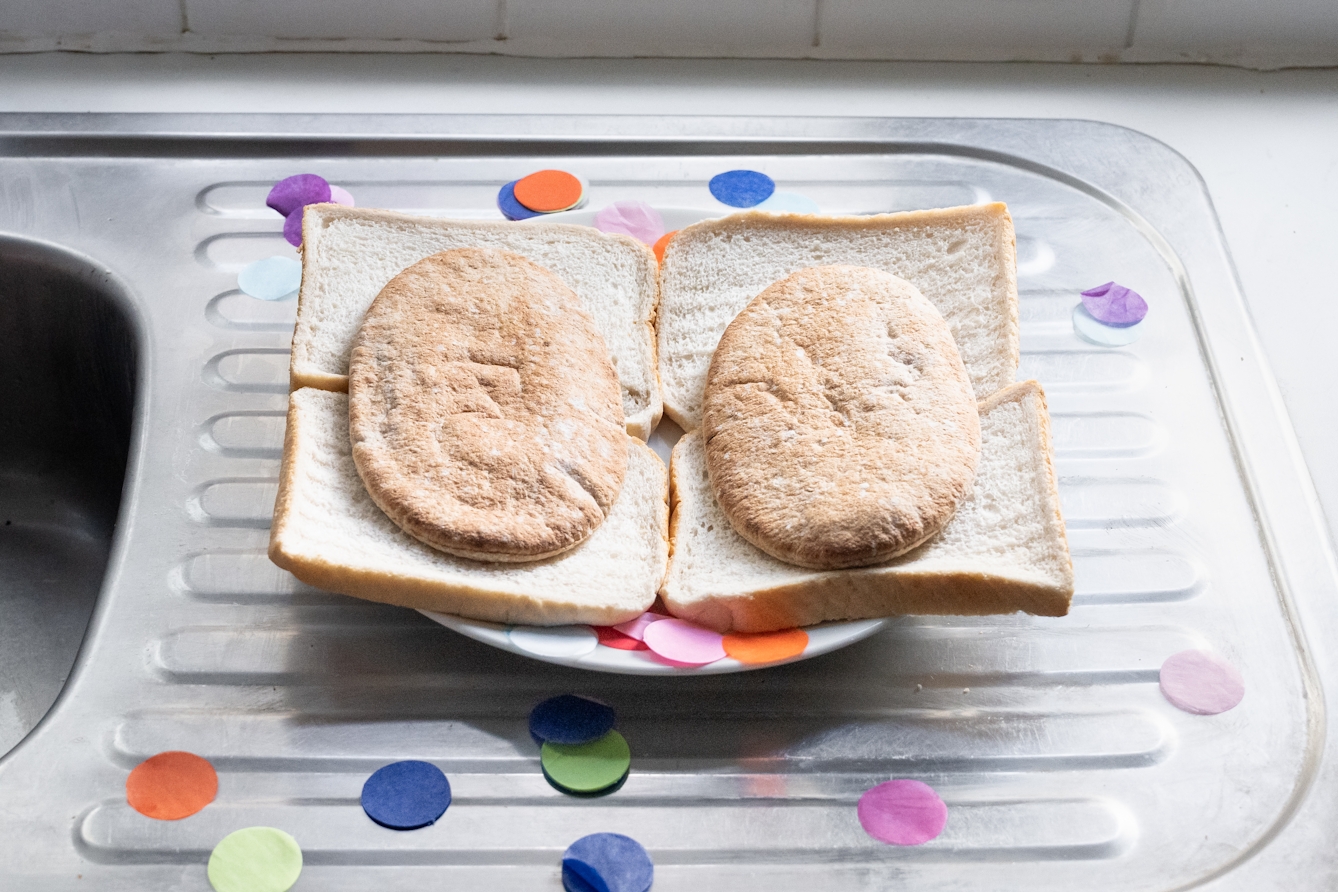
{"x": 1089, "y": 329}
{"x": 274, "y": 278}
{"x": 789, "y": 203}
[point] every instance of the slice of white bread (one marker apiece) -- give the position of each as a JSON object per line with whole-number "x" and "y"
{"x": 1004, "y": 550}
{"x": 349, "y": 254}
{"x": 963, "y": 259}
{"x": 328, "y": 533}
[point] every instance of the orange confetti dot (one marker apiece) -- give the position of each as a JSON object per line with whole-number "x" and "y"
{"x": 663, "y": 244}
{"x": 548, "y": 191}
{"x": 765, "y": 647}
{"x": 171, "y": 786}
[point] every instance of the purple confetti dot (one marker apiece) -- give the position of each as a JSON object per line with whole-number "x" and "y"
{"x": 297, "y": 192}
{"x": 902, "y": 813}
{"x": 1199, "y": 682}
{"x": 1115, "y": 305}
{"x": 292, "y": 228}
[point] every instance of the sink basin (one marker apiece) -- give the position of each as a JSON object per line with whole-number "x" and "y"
{"x": 68, "y": 360}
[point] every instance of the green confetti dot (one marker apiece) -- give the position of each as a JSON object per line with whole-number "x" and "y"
{"x": 256, "y": 859}
{"x": 587, "y": 767}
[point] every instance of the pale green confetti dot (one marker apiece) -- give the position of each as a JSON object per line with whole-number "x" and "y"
{"x": 256, "y": 859}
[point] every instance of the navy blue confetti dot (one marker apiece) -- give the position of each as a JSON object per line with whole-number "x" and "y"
{"x": 406, "y": 795}
{"x": 606, "y": 862}
{"x": 570, "y": 719}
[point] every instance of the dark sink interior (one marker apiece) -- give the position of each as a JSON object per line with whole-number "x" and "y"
{"x": 68, "y": 364}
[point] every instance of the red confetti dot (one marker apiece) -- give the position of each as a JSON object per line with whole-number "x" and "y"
{"x": 171, "y": 785}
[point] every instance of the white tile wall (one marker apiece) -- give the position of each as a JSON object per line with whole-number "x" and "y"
{"x": 426, "y": 20}
{"x": 784, "y": 26}
{"x": 56, "y": 18}
{"x": 1207, "y": 26}
{"x": 975, "y": 29}
{"x": 1254, "y": 33}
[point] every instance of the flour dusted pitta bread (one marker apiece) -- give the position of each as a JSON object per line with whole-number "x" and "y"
{"x": 484, "y": 411}
{"x": 840, "y": 426}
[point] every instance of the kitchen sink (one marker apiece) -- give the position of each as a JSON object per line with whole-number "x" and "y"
{"x": 142, "y": 412}
{"x": 68, "y": 360}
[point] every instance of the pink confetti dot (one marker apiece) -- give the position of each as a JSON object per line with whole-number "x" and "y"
{"x": 340, "y": 195}
{"x": 636, "y": 628}
{"x": 637, "y": 219}
{"x": 1199, "y": 682}
{"x": 902, "y": 812}
{"x": 682, "y": 642}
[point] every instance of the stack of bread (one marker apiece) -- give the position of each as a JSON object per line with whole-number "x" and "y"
{"x": 470, "y": 403}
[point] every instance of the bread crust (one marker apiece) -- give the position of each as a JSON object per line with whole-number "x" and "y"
{"x": 840, "y": 426}
{"x": 642, "y": 410}
{"x": 484, "y": 412}
{"x": 682, "y": 364}
{"x": 726, "y": 602}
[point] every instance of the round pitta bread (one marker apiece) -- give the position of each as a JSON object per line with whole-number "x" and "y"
{"x": 841, "y": 428}
{"x": 484, "y": 411}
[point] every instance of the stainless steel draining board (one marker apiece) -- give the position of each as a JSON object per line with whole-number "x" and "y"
{"x": 1190, "y": 513}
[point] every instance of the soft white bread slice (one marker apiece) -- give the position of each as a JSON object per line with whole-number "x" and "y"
{"x": 349, "y": 254}
{"x": 328, "y": 533}
{"x": 963, "y": 259}
{"x": 1004, "y": 550}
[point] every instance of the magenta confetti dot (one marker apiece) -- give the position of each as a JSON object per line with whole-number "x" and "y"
{"x": 637, "y": 219}
{"x": 902, "y": 812}
{"x": 1199, "y": 682}
{"x": 340, "y": 195}
{"x": 682, "y": 642}
{"x": 298, "y": 191}
{"x": 292, "y": 228}
{"x": 1115, "y": 305}
{"x": 636, "y": 628}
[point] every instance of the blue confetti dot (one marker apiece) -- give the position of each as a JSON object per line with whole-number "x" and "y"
{"x": 742, "y": 188}
{"x": 606, "y": 862}
{"x": 406, "y": 795}
{"x": 510, "y": 207}
{"x": 273, "y": 278}
{"x": 570, "y": 719}
{"x": 789, "y": 203}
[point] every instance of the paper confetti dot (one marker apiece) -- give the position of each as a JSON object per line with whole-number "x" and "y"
{"x": 298, "y": 191}
{"x": 292, "y": 228}
{"x": 549, "y": 191}
{"x": 789, "y": 203}
{"x": 1112, "y": 304}
{"x": 273, "y": 278}
{"x": 1199, "y": 682}
{"x": 342, "y": 196}
{"x": 510, "y": 208}
{"x": 587, "y": 768}
{"x": 742, "y": 188}
{"x": 663, "y": 244}
{"x": 406, "y": 795}
{"x": 570, "y": 719}
{"x": 607, "y": 862}
{"x": 902, "y": 812}
{"x": 611, "y": 637}
{"x": 555, "y": 641}
{"x": 171, "y": 785}
{"x": 636, "y": 628}
{"x": 682, "y": 642}
{"x": 637, "y": 219}
{"x": 1095, "y": 332}
{"x": 765, "y": 647}
{"x": 256, "y": 859}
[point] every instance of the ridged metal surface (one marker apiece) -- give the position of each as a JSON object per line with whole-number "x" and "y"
{"x": 1062, "y": 765}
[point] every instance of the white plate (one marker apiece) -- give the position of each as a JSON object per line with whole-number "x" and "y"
{"x": 572, "y": 645}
